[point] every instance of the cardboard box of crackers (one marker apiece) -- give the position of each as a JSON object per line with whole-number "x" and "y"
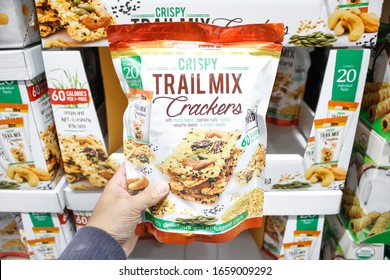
{"x": 29, "y": 151}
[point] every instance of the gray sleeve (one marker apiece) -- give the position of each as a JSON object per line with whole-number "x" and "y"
{"x": 91, "y": 243}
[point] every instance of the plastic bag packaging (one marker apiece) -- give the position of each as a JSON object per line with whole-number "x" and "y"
{"x": 197, "y": 96}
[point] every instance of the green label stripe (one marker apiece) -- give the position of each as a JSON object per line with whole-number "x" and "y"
{"x": 143, "y": 15}
{"x": 131, "y": 70}
{"x": 160, "y": 68}
{"x": 25, "y": 163}
{"x": 346, "y": 74}
{"x": 363, "y": 235}
{"x": 175, "y": 226}
{"x": 198, "y": 15}
{"x": 360, "y": 5}
{"x": 10, "y": 93}
{"x": 235, "y": 68}
{"x": 282, "y": 116}
{"x": 136, "y": 140}
{"x": 376, "y": 125}
{"x": 309, "y": 222}
{"x": 326, "y": 162}
{"x": 41, "y": 219}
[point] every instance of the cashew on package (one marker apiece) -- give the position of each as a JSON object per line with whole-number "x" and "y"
{"x": 198, "y": 95}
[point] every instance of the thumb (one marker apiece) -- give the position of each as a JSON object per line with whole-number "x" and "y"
{"x": 150, "y": 196}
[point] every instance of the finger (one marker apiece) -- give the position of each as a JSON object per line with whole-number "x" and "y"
{"x": 150, "y": 196}
{"x": 119, "y": 178}
{"x": 121, "y": 172}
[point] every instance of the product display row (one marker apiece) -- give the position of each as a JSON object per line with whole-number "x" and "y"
{"x": 213, "y": 102}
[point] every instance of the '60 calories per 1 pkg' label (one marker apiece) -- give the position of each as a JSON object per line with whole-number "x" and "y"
{"x": 197, "y": 95}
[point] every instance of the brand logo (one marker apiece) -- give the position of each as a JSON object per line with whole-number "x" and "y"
{"x": 365, "y": 253}
{"x": 251, "y": 119}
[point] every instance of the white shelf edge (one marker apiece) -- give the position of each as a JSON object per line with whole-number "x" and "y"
{"x": 48, "y": 201}
{"x": 297, "y": 202}
{"x": 81, "y": 200}
{"x": 326, "y": 202}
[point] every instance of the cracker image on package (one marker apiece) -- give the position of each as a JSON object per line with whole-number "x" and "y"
{"x": 138, "y": 154}
{"x": 83, "y": 21}
{"x": 254, "y": 168}
{"x": 48, "y": 19}
{"x": 51, "y": 148}
{"x": 201, "y": 166}
{"x": 86, "y": 158}
{"x": 197, "y": 97}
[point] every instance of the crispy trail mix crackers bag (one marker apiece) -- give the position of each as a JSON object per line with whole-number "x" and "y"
{"x": 197, "y": 96}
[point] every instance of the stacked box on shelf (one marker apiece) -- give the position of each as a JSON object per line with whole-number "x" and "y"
{"x": 366, "y": 197}
{"x": 30, "y": 160}
{"x": 11, "y": 240}
{"x": 293, "y": 237}
{"x": 86, "y": 162}
{"x": 289, "y": 86}
{"x": 47, "y": 234}
{"x": 30, "y": 156}
{"x": 18, "y": 24}
{"x": 69, "y": 27}
{"x": 330, "y": 140}
{"x": 338, "y": 243}
{"x": 365, "y": 206}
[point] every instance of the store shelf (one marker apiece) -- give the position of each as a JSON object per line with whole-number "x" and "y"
{"x": 21, "y": 64}
{"x": 48, "y": 201}
{"x": 242, "y": 247}
{"x": 275, "y": 203}
{"x": 312, "y": 201}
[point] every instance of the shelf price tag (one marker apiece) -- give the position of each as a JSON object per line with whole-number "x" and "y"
{"x": 346, "y": 74}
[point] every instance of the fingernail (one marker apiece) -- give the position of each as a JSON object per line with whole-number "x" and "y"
{"x": 161, "y": 188}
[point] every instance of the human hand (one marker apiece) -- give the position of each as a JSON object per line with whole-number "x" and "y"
{"x": 117, "y": 212}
